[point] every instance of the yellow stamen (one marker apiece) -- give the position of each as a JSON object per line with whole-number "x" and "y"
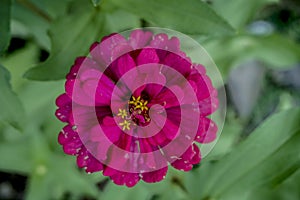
{"x": 135, "y": 101}
{"x": 122, "y": 113}
{"x": 125, "y": 125}
{"x": 142, "y": 105}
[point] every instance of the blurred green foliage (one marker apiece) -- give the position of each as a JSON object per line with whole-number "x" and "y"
{"x": 256, "y": 157}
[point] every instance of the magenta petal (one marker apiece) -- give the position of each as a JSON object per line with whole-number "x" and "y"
{"x": 93, "y": 165}
{"x": 207, "y": 131}
{"x": 63, "y": 100}
{"x": 67, "y": 134}
{"x": 74, "y": 91}
{"x": 120, "y": 51}
{"x": 101, "y": 141}
{"x": 139, "y": 39}
{"x": 155, "y": 176}
{"x": 161, "y": 41}
{"x": 121, "y": 66}
{"x": 121, "y": 178}
{"x": 185, "y": 162}
{"x": 131, "y": 179}
{"x": 65, "y": 105}
{"x": 70, "y": 140}
{"x": 209, "y": 105}
{"x": 62, "y": 114}
{"x": 85, "y": 159}
{"x": 178, "y": 63}
{"x": 75, "y": 68}
{"x": 103, "y": 52}
{"x": 124, "y": 178}
{"x": 108, "y": 171}
{"x": 167, "y": 98}
{"x": 111, "y": 129}
{"x": 197, "y": 157}
{"x": 147, "y": 56}
{"x": 170, "y": 130}
{"x": 201, "y": 85}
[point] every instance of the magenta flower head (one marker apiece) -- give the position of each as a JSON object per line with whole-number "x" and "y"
{"x": 136, "y": 105}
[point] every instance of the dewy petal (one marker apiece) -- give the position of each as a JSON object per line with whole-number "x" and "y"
{"x": 65, "y": 105}
{"x": 161, "y": 41}
{"x": 121, "y": 178}
{"x": 197, "y": 157}
{"x": 62, "y": 100}
{"x": 207, "y": 131}
{"x": 109, "y": 49}
{"x": 139, "y": 39}
{"x": 209, "y": 105}
{"x": 147, "y": 56}
{"x": 70, "y": 140}
{"x": 167, "y": 98}
{"x": 179, "y": 63}
{"x": 87, "y": 161}
{"x": 201, "y": 84}
{"x": 124, "y": 178}
{"x": 75, "y": 68}
{"x": 120, "y": 67}
{"x": 188, "y": 159}
{"x": 155, "y": 176}
{"x": 90, "y": 89}
{"x": 111, "y": 129}
{"x": 82, "y": 64}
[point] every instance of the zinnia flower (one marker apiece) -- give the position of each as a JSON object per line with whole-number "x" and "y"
{"x": 134, "y": 106}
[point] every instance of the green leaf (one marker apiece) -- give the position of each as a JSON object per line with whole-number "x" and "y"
{"x": 96, "y": 2}
{"x": 57, "y": 177}
{"x": 189, "y": 16}
{"x": 11, "y": 108}
{"x": 274, "y": 50}
{"x": 15, "y": 157}
{"x": 265, "y": 159}
{"x": 121, "y": 20}
{"x": 51, "y": 8}
{"x": 4, "y": 24}
{"x": 113, "y": 191}
{"x": 288, "y": 190}
{"x": 71, "y": 36}
{"x": 239, "y": 12}
{"x": 36, "y": 25}
{"x": 20, "y": 61}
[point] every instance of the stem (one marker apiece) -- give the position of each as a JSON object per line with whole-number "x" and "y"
{"x": 35, "y": 9}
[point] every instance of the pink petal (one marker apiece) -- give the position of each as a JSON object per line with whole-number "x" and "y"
{"x": 207, "y": 131}
{"x": 155, "y": 176}
{"x": 139, "y": 39}
{"x": 147, "y": 56}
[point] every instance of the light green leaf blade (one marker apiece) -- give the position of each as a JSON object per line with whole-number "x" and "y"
{"x": 15, "y": 157}
{"x": 35, "y": 25}
{"x": 4, "y": 24}
{"x": 266, "y": 158}
{"x": 96, "y": 2}
{"x": 18, "y": 62}
{"x": 274, "y": 50}
{"x": 120, "y": 20}
{"x": 189, "y": 16}
{"x": 71, "y": 37}
{"x": 11, "y": 109}
{"x": 239, "y": 12}
{"x": 51, "y": 8}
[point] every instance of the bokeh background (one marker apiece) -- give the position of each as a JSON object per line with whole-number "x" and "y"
{"x": 254, "y": 43}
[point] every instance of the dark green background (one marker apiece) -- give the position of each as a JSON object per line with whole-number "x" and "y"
{"x": 254, "y": 43}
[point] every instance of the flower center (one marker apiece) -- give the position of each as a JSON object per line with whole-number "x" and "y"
{"x": 139, "y": 111}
